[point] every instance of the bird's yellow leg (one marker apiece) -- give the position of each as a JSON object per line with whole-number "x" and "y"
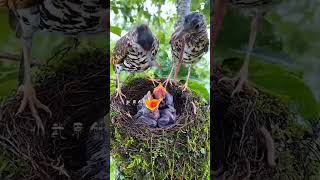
{"x": 185, "y": 86}
{"x": 169, "y": 80}
{"x": 118, "y": 90}
{"x": 242, "y": 77}
{"x": 29, "y": 94}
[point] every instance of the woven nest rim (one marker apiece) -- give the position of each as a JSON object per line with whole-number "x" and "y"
{"x": 124, "y": 117}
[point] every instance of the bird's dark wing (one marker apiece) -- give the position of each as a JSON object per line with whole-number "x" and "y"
{"x": 155, "y": 46}
{"x": 120, "y": 51}
{"x": 176, "y": 45}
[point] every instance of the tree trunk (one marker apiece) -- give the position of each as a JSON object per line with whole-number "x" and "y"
{"x": 183, "y": 9}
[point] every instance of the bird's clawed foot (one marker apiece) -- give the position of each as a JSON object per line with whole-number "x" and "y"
{"x": 154, "y": 81}
{"x": 120, "y": 95}
{"x": 184, "y": 87}
{"x": 170, "y": 81}
{"x": 242, "y": 83}
{"x": 30, "y": 99}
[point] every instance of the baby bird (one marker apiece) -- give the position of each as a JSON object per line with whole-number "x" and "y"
{"x": 134, "y": 52}
{"x": 159, "y": 92}
{"x": 188, "y": 44}
{"x": 148, "y": 111}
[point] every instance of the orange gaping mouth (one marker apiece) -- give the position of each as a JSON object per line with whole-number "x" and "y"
{"x": 152, "y": 104}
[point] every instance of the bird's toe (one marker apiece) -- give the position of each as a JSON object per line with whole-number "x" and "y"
{"x": 120, "y": 95}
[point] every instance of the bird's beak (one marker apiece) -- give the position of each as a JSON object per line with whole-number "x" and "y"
{"x": 152, "y": 104}
{"x": 160, "y": 90}
{"x": 149, "y": 95}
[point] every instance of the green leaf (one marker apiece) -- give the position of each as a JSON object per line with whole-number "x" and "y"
{"x": 115, "y": 30}
{"x": 199, "y": 89}
{"x": 275, "y": 79}
{"x": 162, "y": 37}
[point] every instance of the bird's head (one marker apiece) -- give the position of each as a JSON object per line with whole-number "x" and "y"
{"x": 145, "y": 38}
{"x": 193, "y": 22}
{"x": 160, "y": 92}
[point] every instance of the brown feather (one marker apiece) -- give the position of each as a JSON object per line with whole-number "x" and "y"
{"x": 120, "y": 51}
{"x": 198, "y": 43}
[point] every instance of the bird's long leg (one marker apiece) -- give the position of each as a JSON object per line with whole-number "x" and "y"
{"x": 185, "y": 86}
{"x": 118, "y": 90}
{"x": 242, "y": 76}
{"x": 29, "y": 94}
{"x": 178, "y": 66}
{"x": 169, "y": 80}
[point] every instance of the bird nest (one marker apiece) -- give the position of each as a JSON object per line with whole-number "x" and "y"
{"x": 258, "y": 137}
{"x": 74, "y": 89}
{"x": 143, "y": 152}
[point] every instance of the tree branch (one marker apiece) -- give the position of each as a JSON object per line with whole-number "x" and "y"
{"x": 183, "y": 9}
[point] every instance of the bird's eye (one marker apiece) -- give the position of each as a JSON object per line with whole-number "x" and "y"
{"x": 197, "y": 26}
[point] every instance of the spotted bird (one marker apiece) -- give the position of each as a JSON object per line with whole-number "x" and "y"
{"x": 188, "y": 44}
{"x": 67, "y": 17}
{"x": 134, "y": 52}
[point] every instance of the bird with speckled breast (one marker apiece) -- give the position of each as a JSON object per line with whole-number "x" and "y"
{"x": 188, "y": 44}
{"x": 134, "y": 52}
{"x": 66, "y": 17}
{"x": 260, "y": 7}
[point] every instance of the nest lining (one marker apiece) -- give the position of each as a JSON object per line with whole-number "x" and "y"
{"x": 75, "y": 91}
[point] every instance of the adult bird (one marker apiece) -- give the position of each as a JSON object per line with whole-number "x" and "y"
{"x": 67, "y": 17}
{"x": 259, "y": 7}
{"x": 188, "y": 44}
{"x": 134, "y": 52}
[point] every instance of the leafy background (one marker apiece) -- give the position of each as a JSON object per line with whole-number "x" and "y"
{"x": 285, "y": 61}
{"x": 160, "y": 16}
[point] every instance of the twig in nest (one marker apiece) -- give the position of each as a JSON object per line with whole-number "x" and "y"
{"x": 248, "y": 170}
{"x": 194, "y": 108}
{"x": 60, "y": 168}
{"x": 269, "y": 144}
{"x": 245, "y": 124}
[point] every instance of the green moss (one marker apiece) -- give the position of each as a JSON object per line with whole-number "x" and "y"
{"x": 287, "y": 167}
